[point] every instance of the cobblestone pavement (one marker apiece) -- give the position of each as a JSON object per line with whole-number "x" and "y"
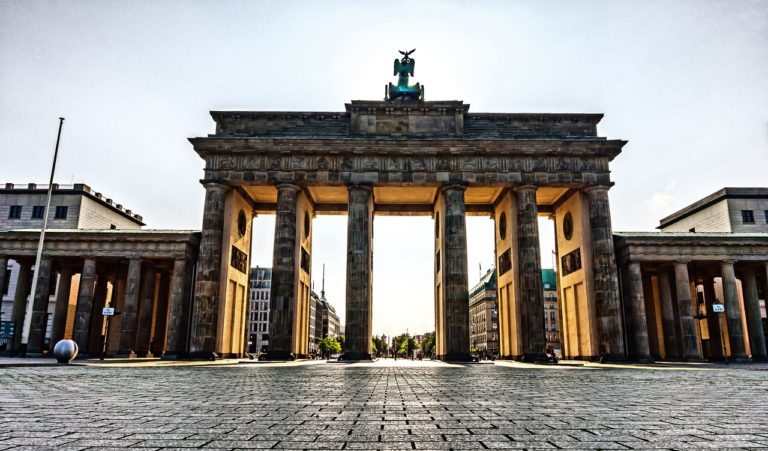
{"x": 337, "y": 406}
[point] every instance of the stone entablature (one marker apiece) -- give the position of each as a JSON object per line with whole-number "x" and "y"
{"x": 149, "y": 244}
{"x": 671, "y": 247}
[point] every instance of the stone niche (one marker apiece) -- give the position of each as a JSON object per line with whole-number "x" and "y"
{"x": 402, "y": 118}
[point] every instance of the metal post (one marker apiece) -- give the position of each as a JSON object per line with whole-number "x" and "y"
{"x": 31, "y": 300}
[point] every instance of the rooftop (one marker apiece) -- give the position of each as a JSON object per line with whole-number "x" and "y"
{"x": 77, "y": 188}
{"x": 717, "y": 196}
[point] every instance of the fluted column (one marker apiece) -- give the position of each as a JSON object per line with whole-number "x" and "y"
{"x": 529, "y": 275}
{"x": 671, "y": 345}
{"x": 358, "y": 326}
{"x": 39, "y": 308}
{"x": 146, "y": 307}
{"x": 685, "y": 313}
{"x": 208, "y": 279}
{"x": 455, "y": 283}
{"x": 176, "y": 318}
{"x": 733, "y": 313}
{"x": 754, "y": 320}
{"x": 713, "y": 321}
{"x": 605, "y": 276}
{"x": 84, "y": 306}
{"x": 130, "y": 308}
{"x": 284, "y": 268}
{"x": 23, "y": 286}
{"x": 638, "y": 324}
{"x": 61, "y": 310}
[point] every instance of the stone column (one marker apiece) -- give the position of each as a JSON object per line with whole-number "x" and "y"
{"x": 23, "y": 286}
{"x": 96, "y": 339}
{"x": 639, "y": 348}
{"x": 40, "y": 308}
{"x": 668, "y": 316}
{"x": 605, "y": 276}
{"x": 687, "y": 326}
{"x": 61, "y": 309}
{"x": 455, "y": 284}
{"x": 3, "y": 281}
{"x": 529, "y": 275}
{"x": 177, "y": 326}
{"x": 733, "y": 313}
{"x": 146, "y": 307}
{"x": 208, "y": 280}
{"x": 284, "y": 268}
{"x": 130, "y": 308}
{"x": 158, "y": 343}
{"x": 358, "y": 327}
{"x": 754, "y": 320}
{"x": 713, "y": 321}
{"x": 84, "y": 306}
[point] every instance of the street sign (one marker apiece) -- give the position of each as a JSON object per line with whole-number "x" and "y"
{"x": 108, "y": 311}
{"x": 718, "y": 308}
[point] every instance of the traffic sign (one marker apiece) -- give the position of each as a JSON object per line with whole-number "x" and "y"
{"x": 718, "y": 308}
{"x": 108, "y": 311}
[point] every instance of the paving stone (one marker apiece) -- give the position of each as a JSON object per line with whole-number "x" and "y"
{"x": 389, "y": 408}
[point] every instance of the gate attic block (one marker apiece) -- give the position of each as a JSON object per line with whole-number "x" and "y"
{"x": 414, "y": 158}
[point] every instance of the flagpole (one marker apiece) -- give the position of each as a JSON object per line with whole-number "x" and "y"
{"x": 31, "y": 301}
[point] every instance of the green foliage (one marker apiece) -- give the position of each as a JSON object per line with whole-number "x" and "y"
{"x": 379, "y": 345}
{"x": 428, "y": 344}
{"x": 404, "y": 344}
{"x": 329, "y": 346}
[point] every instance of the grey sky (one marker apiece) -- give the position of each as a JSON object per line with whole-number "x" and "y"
{"x": 686, "y": 82}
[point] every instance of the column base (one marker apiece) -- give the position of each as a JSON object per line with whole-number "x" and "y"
{"x": 738, "y": 359}
{"x": 534, "y": 357}
{"x": 202, "y": 355}
{"x": 613, "y": 358}
{"x": 280, "y": 356}
{"x": 355, "y": 356}
{"x": 458, "y": 357}
{"x": 694, "y": 359}
{"x": 642, "y": 359}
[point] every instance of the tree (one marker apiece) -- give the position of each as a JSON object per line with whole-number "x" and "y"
{"x": 404, "y": 344}
{"x": 428, "y": 344}
{"x": 329, "y": 346}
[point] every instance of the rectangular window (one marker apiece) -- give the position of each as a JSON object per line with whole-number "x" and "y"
{"x": 38, "y": 211}
{"x": 766, "y": 216}
{"x": 61, "y": 212}
{"x": 747, "y": 216}
{"x": 14, "y": 212}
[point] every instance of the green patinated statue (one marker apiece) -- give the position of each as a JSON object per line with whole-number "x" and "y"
{"x": 403, "y": 69}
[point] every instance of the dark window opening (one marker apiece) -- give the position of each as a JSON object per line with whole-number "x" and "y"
{"x": 692, "y": 230}
{"x": 38, "y": 211}
{"x": 766, "y": 216}
{"x": 7, "y": 280}
{"x": 747, "y": 216}
{"x": 61, "y": 212}
{"x": 112, "y": 227}
{"x": 14, "y": 212}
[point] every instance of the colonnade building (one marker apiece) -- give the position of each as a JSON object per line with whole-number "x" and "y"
{"x": 623, "y": 295}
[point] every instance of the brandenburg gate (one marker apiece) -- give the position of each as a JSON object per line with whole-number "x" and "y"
{"x": 407, "y": 156}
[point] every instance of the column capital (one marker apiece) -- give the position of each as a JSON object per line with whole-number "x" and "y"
{"x": 458, "y": 185}
{"x": 526, "y": 187}
{"x": 592, "y": 188}
{"x": 360, "y": 186}
{"x": 681, "y": 262}
{"x": 728, "y": 262}
{"x": 288, "y": 186}
{"x": 214, "y": 184}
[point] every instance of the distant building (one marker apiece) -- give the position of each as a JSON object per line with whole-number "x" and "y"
{"x": 727, "y": 210}
{"x": 484, "y": 316}
{"x": 258, "y": 320}
{"x": 552, "y": 331}
{"x": 323, "y": 320}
